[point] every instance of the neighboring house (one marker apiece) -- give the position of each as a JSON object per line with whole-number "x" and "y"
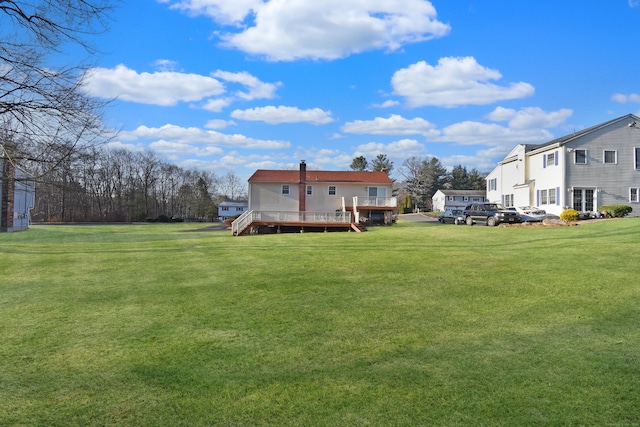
{"x": 230, "y": 208}
{"x": 307, "y": 199}
{"x": 584, "y": 170}
{"x": 452, "y": 199}
{"x": 17, "y": 196}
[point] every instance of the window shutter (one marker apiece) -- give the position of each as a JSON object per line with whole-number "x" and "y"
{"x": 557, "y": 196}
{"x": 544, "y": 160}
{"x": 537, "y": 197}
{"x": 503, "y": 199}
{"x": 556, "y": 158}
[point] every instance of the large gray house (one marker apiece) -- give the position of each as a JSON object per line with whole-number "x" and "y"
{"x": 583, "y": 170}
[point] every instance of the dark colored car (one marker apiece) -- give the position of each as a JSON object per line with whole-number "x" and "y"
{"x": 451, "y": 216}
{"x": 490, "y": 214}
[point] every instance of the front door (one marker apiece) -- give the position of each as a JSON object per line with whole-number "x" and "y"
{"x": 583, "y": 199}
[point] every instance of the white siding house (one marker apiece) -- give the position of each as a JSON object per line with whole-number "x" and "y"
{"x": 452, "y": 199}
{"x": 583, "y": 170}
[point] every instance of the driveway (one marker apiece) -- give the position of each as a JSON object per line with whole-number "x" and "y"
{"x": 417, "y": 217}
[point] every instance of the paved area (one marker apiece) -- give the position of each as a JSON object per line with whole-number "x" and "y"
{"x": 417, "y": 217}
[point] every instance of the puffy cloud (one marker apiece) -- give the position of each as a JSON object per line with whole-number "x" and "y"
{"x": 530, "y": 118}
{"x": 286, "y": 30}
{"x": 394, "y": 125}
{"x": 257, "y": 88}
{"x": 167, "y": 88}
{"x": 623, "y": 99}
{"x": 229, "y": 12}
{"x": 276, "y": 115}
{"x": 219, "y": 124}
{"x": 192, "y": 135}
{"x": 454, "y": 82}
{"x": 396, "y": 149}
{"x": 491, "y": 134}
{"x": 164, "y": 88}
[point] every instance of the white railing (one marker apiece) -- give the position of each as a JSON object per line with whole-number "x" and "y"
{"x": 242, "y": 222}
{"x": 385, "y": 202}
{"x": 275, "y": 217}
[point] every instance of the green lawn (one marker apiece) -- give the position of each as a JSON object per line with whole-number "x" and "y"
{"x": 415, "y": 324}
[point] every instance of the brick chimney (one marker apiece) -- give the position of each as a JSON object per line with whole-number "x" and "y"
{"x": 302, "y": 187}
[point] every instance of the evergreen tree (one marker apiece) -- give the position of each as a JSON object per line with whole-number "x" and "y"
{"x": 359, "y": 164}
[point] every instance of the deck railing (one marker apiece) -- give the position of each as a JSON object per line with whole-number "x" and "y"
{"x": 384, "y": 202}
{"x": 276, "y": 217}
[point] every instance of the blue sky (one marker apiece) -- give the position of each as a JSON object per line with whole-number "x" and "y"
{"x": 235, "y": 86}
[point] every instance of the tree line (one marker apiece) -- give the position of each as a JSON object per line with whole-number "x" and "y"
{"x": 103, "y": 184}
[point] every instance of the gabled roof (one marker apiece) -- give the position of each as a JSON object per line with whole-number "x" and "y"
{"x": 564, "y": 139}
{"x": 234, "y": 203}
{"x": 293, "y": 176}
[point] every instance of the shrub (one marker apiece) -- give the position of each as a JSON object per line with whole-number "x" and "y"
{"x": 616, "y": 211}
{"x": 569, "y": 215}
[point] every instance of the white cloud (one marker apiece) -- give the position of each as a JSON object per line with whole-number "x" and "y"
{"x": 219, "y": 124}
{"x": 387, "y": 104}
{"x": 398, "y": 149}
{"x": 257, "y": 88}
{"x": 454, "y": 82}
{"x": 623, "y": 99}
{"x": 530, "y": 118}
{"x": 634, "y": 3}
{"x": 192, "y": 135}
{"x": 165, "y": 64}
{"x": 164, "y": 88}
{"x": 286, "y": 30}
{"x": 167, "y": 88}
{"x": 232, "y": 12}
{"x": 394, "y": 125}
{"x": 179, "y": 148}
{"x": 276, "y": 115}
{"x": 491, "y": 134}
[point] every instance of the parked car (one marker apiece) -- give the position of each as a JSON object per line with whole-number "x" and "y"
{"x": 530, "y": 213}
{"x": 490, "y": 214}
{"x": 453, "y": 216}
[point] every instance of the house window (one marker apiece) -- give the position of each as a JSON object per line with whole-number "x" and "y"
{"x": 633, "y": 195}
{"x": 451, "y": 198}
{"x": 508, "y": 200}
{"x": 610, "y": 157}
{"x": 492, "y": 184}
{"x": 552, "y": 196}
{"x": 285, "y": 189}
{"x": 309, "y": 190}
{"x": 224, "y": 208}
{"x": 543, "y": 197}
{"x": 637, "y": 159}
{"x": 332, "y": 190}
{"x": 550, "y": 159}
{"x": 580, "y": 157}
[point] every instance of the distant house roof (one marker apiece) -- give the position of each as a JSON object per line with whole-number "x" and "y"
{"x": 293, "y": 176}
{"x": 463, "y": 192}
{"x": 236, "y": 203}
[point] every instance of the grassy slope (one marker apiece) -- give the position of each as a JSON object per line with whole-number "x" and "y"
{"x": 413, "y": 324}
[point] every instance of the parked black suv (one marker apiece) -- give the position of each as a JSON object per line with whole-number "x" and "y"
{"x": 490, "y": 214}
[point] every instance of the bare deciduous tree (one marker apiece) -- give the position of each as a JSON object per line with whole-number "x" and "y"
{"x": 44, "y": 114}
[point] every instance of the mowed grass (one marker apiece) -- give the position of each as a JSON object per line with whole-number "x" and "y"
{"x": 415, "y": 324}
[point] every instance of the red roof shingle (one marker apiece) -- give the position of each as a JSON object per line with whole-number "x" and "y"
{"x": 293, "y": 176}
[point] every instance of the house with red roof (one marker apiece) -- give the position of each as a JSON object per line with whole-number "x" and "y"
{"x": 308, "y": 200}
